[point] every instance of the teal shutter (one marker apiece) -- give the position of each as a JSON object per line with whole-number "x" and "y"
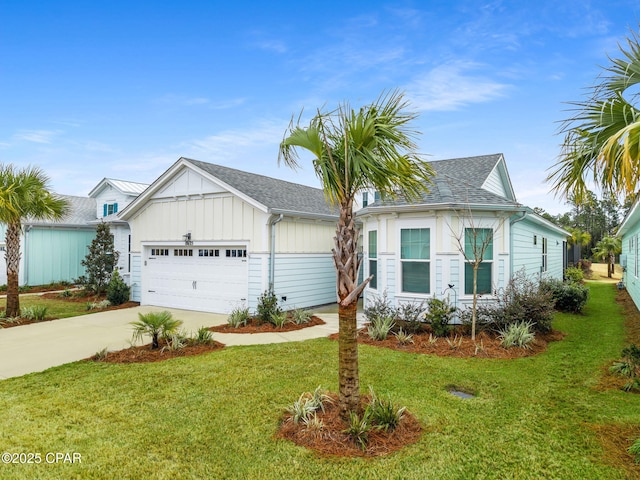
{"x": 115, "y": 208}
{"x": 104, "y": 214}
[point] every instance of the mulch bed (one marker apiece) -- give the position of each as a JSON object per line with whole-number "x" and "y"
{"x": 144, "y": 353}
{"x": 486, "y": 345}
{"x": 256, "y": 326}
{"x": 331, "y": 439}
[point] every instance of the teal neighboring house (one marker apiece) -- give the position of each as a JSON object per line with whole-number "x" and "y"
{"x": 416, "y": 250}
{"x": 52, "y": 251}
{"x": 629, "y": 232}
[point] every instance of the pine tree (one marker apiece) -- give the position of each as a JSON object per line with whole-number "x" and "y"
{"x": 100, "y": 261}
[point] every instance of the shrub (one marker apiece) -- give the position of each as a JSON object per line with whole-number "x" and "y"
{"x": 359, "y": 428}
{"x": 380, "y": 328}
{"x": 267, "y": 306}
{"x": 635, "y": 450}
{"x": 307, "y": 405}
{"x": 203, "y": 336}
{"x": 523, "y": 300}
{"x": 439, "y": 315}
{"x": 517, "y": 335}
{"x": 117, "y": 290}
{"x": 585, "y": 266}
{"x": 403, "y": 337}
{"x": 566, "y": 296}
{"x": 278, "y": 319}
{"x": 35, "y": 312}
{"x": 156, "y": 325}
{"x": 628, "y": 366}
{"x": 98, "y": 305}
{"x": 573, "y": 274}
{"x": 66, "y": 293}
{"x": 101, "y": 354}
{"x": 379, "y": 308}
{"x": 383, "y": 413}
{"x": 411, "y": 316}
{"x": 176, "y": 341}
{"x": 300, "y": 316}
{"x": 238, "y": 316}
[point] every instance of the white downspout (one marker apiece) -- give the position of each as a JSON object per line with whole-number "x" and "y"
{"x": 272, "y": 254}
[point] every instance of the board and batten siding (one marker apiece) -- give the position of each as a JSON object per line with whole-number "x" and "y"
{"x": 55, "y": 255}
{"x": 136, "y": 277}
{"x": 109, "y": 195}
{"x": 214, "y": 218}
{"x": 298, "y": 236}
{"x": 527, "y": 249}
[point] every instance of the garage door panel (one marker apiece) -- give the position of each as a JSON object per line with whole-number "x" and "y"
{"x": 186, "y": 278}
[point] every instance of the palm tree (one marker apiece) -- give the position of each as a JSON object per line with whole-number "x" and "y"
{"x": 155, "y": 324}
{"x": 602, "y": 140}
{"x": 371, "y": 148}
{"x": 24, "y": 194}
{"x": 578, "y": 239}
{"x": 607, "y": 249}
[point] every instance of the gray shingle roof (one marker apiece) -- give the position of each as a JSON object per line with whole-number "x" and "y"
{"x": 274, "y": 194}
{"x": 458, "y": 181}
{"x": 82, "y": 210}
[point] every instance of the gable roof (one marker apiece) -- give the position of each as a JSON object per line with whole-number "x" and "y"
{"x": 271, "y": 194}
{"x": 82, "y": 211}
{"x": 461, "y": 182}
{"x": 124, "y": 186}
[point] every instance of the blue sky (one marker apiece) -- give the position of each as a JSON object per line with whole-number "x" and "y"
{"x": 122, "y": 89}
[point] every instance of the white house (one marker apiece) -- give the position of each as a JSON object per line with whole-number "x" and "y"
{"x": 211, "y": 238}
{"x": 111, "y": 196}
{"x": 415, "y": 249}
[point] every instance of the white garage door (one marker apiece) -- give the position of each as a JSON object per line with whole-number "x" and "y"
{"x": 208, "y": 279}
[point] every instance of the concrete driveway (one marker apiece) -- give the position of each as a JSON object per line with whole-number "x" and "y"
{"x": 38, "y": 346}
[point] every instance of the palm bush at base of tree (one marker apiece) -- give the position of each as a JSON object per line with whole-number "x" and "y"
{"x": 517, "y": 335}
{"x": 155, "y": 324}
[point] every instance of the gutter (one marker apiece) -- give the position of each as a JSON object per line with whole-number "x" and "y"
{"x": 275, "y": 218}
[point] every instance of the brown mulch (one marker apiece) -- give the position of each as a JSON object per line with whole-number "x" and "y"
{"x": 256, "y": 326}
{"x": 615, "y": 440}
{"x": 145, "y": 354}
{"x": 486, "y": 345}
{"x": 331, "y": 439}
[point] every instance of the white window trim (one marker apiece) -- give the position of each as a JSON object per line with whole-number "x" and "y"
{"x": 405, "y": 224}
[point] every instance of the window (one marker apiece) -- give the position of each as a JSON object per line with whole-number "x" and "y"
{"x": 109, "y": 209}
{"x": 373, "y": 258}
{"x": 365, "y": 199}
{"x": 159, "y": 252}
{"x": 183, "y": 252}
{"x": 237, "y": 253}
{"x": 208, "y": 252}
{"x": 478, "y": 241}
{"x": 544, "y": 255}
{"x": 415, "y": 253}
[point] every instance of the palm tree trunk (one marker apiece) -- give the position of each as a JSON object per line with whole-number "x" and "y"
{"x": 349, "y": 377}
{"x": 12, "y": 256}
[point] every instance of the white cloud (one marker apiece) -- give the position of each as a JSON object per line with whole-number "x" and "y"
{"x": 451, "y": 86}
{"x": 35, "y": 136}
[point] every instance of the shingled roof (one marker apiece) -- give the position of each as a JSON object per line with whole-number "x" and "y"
{"x": 277, "y": 195}
{"x": 82, "y": 210}
{"x": 457, "y": 181}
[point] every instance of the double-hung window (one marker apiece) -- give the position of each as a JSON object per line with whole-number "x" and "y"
{"x": 109, "y": 209}
{"x": 373, "y": 258}
{"x": 415, "y": 260}
{"x": 478, "y": 245}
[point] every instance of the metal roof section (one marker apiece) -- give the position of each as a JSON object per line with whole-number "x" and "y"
{"x": 124, "y": 186}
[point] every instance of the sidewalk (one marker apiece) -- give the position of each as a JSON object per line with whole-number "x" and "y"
{"x": 38, "y": 346}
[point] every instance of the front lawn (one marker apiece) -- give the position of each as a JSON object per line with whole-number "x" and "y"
{"x": 216, "y": 415}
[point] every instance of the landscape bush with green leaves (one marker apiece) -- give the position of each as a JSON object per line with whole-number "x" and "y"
{"x": 439, "y": 315}
{"x": 268, "y": 307}
{"x": 157, "y": 325}
{"x": 117, "y": 290}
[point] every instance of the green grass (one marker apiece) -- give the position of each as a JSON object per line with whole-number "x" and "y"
{"x": 56, "y": 308}
{"x": 215, "y": 416}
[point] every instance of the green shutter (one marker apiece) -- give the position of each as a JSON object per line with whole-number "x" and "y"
{"x": 104, "y": 209}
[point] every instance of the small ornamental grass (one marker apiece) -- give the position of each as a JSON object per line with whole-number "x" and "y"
{"x": 35, "y": 312}
{"x": 380, "y": 328}
{"x": 635, "y": 450}
{"x": 300, "y": 316}
{"x": 307, "y": 405}
{"x": 628, "y": 367}
{"x": 517, "y": 335}
{"x": 279, "y": 319}
{"x": 239, "y": 316}
{"x": 203, "y": 336}
{"x": 403, "y": 337}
